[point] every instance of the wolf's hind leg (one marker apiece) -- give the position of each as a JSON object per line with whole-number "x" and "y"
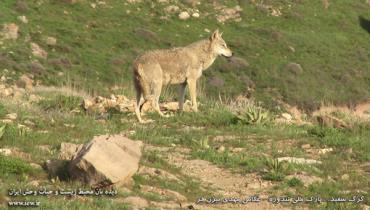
{"x": 182, "y": 96}
{"x": 155, "y": 102}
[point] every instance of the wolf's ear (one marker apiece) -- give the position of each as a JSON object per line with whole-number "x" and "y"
{"x": 214, "y": 35}
{"x": 221, "y": 34}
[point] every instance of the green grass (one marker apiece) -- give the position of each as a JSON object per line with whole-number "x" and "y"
{"x": 95, "y": 48}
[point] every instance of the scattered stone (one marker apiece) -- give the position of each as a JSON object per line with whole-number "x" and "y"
{"x": 34, "y": 183}
{"x": 184, "y": 15}
{"x": 34, "y": 98}
{"x": 287, "y": 116}
{"x": 196, "y": 15}
{"x": 345, "y": 177}
{"x": 237, "y": 150}
{"x": 136, "y": 202}
{"x": 227, "y": 14}
{"x": 216, "y": 82}
{"x": 146, "y": 34}
{"x": 68, "y": 150}
{"x": 171, "y": 9}
{"x": 44, "y": 148}
{"x": 37, "y": 51}
{"x": 191, "y": 3}
{"x": 5, "y": 151}
{"x": 35, "y": 166}
{"x": 51, "y": 41}
{"x": 330, "y": 121}
{"x": 221, "y": 149}
{"x": 10, "y": 31}
{"x": 234, "y": 63}
{"x": 165, "y": 192}
{"x": 29, "y": 123}
{"x": 155, "y": 172}
{"x": 106, "y": 160}
{"x": 11, "y": 116}
{"x": 70, "y": 1}
{"x": 306, "y": 146}
{"x": 23, "y": 19}
{"x": 295, "y": 68}
{"x": 174, "y": 106}
{"x": 298, "y": 160}
{"x": 325, "y": 150}
{"x": 25, "y": 82}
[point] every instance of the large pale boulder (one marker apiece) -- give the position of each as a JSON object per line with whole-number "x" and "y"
{"x": 106, "y": 160}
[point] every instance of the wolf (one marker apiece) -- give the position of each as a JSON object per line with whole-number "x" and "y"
{"x": 182, "y": 65}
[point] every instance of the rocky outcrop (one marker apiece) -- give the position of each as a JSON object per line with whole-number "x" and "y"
{"x": 106, "y": 160}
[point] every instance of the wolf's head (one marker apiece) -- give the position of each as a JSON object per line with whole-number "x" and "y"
{"x": 218, "y": 45}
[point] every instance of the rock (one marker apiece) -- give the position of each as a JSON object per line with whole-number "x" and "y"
{"x": 171, "y": 9}
{"x": 287, "y": 116}
{"x": 345, "y": 177}
{"x": 11, "y": 116}
{"x": 325, "y": 150}
{"x": 174, "y": 106}
{"x": 227, "y": 14}
{"x": 25, "y": 82}
{"x": 37, "y": 51}
{"x": 36, "y": 68}
{"x": 5, "y": 151}
{"x": 330, "y": 121}
{"x": 192, "y": 3}
{"x": 70, "y": 1}
{"x": 306, "y": 146}
{"x": 155, "y": 172}
{"x": 87, "y": 104}
{"x": 68, "y": 150}
{"x": 237, "y": 150}
{"x": 221, "y": 149}
{"x": 196, "y": 15}
{"x": 295, "y": 68}
{"x": 6, "y": 92}
{"x": 10, "y": 31}
{"x": 216, "y": 81}
{"x": 234, "y": 63}
{"x": 44, "y": 148}
{"x": 165, "y": 192}
{"x": 146, "y": 34}
{"x": 184, "y": 15}
{"x": 106, "y": 160}
{"x": 23, "y": 19}
{"x": 136, "y": 202}
{"x": 34, "y": 183}
{"x": 51, "y": 41}
{"x": 35, "y": 166}
{"x": 298, "y": 160}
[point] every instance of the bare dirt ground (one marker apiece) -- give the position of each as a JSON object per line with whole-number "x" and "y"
{"x": 225, "y": 183}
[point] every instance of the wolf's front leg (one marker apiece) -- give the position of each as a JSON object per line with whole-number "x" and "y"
{"x": 193, "y": 94}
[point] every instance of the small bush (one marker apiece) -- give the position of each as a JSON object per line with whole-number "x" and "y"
{"x": 294, "y": 182}
{"x": 254, "y": 115}
{"x": 61, "y": 103}
{"x": 9, "y": 165}
{"x": 276, "y": 170}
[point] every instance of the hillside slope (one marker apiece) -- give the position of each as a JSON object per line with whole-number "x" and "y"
{"x": 297, "y": 51}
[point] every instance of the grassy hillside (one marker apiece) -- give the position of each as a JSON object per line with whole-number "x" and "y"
{"x": 293, "y": 50}
{"x": 96, "y": 46}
